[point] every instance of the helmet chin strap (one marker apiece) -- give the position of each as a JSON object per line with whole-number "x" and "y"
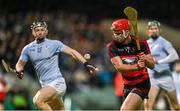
{"x": 125, "y": 35}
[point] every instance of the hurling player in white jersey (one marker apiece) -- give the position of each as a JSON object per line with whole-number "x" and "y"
{"x": 161, "y": 76}
{"x": 43, "y": 53}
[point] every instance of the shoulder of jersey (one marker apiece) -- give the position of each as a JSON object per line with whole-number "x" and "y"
{"x": 110, "y": 44}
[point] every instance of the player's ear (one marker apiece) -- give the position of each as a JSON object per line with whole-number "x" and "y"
{"x": 46, "y": 31}
{"x": 33, "y": 33}
{"x": 147, "y": 32}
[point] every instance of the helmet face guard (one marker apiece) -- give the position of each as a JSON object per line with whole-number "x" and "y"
{"x": 121, "y": 26}
{"x": 39, "y": 24}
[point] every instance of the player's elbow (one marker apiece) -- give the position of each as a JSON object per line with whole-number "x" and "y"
{"x": 151, "y": 66}
{"x": 174, "y": 55}
{"x": 120, "y": 68}
{"x": 177, "y": 57}
{"x": 149, "y": 61}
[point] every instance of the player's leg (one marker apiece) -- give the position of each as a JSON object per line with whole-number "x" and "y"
{"x": 154, "y": 91}
{"x": 60, "y": 86}
{"x": 149, "y": 103}
{"x": 57, "y": 104}
{"x": 43, "y": 96}
{"x": 136, "y": 96}
{"x": 167, "y": 84}
{"x": 1, "y": 105}
{"x": 132, "y": 102}
{"x": 172, "y": 96}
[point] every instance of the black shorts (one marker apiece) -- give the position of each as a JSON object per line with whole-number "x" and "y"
{"x": 141, "y": 89}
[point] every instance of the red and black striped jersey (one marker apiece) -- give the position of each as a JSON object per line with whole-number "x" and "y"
{"x": 128, "y": 54}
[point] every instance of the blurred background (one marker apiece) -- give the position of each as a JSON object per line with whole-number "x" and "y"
{"x": 85, "y": 26}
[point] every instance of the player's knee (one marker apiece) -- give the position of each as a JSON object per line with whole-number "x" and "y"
{"x": 124, "y": 107}
{"x": 37, "y": 102}
{"x": 148, "y": 104}
{"x": 34, "y": 100}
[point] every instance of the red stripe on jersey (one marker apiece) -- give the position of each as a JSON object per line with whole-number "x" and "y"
{"x": 2, "y": 96}
{"x": 108, "y": 49}
{"x": 146, "y": 76}
{"x": 135, "y": 73}
{"x": 146, "y": 45}
{"x": 128, "y": 54}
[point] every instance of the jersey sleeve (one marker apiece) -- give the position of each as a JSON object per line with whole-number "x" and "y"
{"x": 60, "y": 46}
{"x": 167, "y": 46}
{"x": 24, "y": 54}
{"x": 111, "y": 49}
{"x": 145, "y": 46}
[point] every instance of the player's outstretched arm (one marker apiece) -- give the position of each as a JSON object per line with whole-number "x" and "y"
{"x": 76, "y": 55}
{"x": 20, "y": 68}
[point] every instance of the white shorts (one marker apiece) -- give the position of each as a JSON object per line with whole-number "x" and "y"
{"x": 166, "y": 83}
{"x": 59, "y": 85}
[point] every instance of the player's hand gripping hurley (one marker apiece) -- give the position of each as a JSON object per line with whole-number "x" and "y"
{"x": 11, "y": 70}
{"x": 131, "y": 14}
{"x": 91, "y": 68}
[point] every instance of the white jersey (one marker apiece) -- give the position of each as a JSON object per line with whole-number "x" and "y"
{"x": 160, "y": 49}
{"x": 44, "y": 57}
